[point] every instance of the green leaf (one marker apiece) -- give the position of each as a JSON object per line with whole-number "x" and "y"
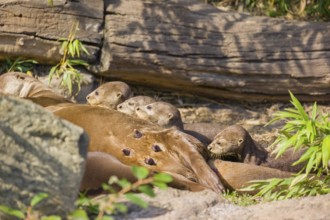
{"x": 146, "y": 189}
{"x": 136, "y": 200}
{"x": 52, "y": 217}
{"x": 84, "y": 49}
{"x": 124, "y": 183}
{"x": 50, "y": 2}
{"x": 160, "y": 185}
{"x": 121, "y": 207}
{"x": 71, "y": 50}
{"x": 76, "y": 44}
{"x": 163, "y": 177}
{"x": 140, "y": 172}
{"x": 314, "y": 111}
{"x": 298, "y": 106}
{"x": 38, "y": 198}
{"x": 106, "y": 218}
{"x": 326, "y": 151}
{"x": 12, "y": 212}
{"x": 79, "y": 214}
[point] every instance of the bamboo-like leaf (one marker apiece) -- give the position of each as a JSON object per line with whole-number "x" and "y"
{"x": 121, "y": 207}
{"x": 298, "y": 106}
{"x": 311, "y": 162}
{"x": 76, "y": 44}
{"x": 298, "y": 179}
{"x": 84, "y": 49}
{"x": 326, "y": 151}
{"x": 306, "y": 155}
{"x": 314, "y": 111}
{"x": 71, "y": 50}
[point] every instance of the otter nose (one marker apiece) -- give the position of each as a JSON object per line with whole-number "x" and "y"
{"x": 209, "y": 147}
{"x": 119, "y": 107}
{"x": 87, "y": 97}
{"x": 137, "y": 109}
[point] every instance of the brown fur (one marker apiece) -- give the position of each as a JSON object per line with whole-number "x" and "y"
{"x": 205, "y": 132}
{"x": 110, "y": 94}
{"x": 235, "y": 176}
{"x": 25, "y": 86}
{"x": 128, "y": 106}
{"x": 101, "y": 166}
{"x": 161, "y": 113}
{"x": 137, "y": 142}
{"x": 236, "y": 141}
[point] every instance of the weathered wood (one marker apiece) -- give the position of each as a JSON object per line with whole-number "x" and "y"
{"x": 178, "y": 44}
{"x": 32, "y": 28}
{"x": 188, "y": 45}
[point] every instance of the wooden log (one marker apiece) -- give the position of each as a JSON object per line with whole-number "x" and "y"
{"x": 191, "y": 46}
{"x": 32, "y": 28}
{"x": 178, "y": 44}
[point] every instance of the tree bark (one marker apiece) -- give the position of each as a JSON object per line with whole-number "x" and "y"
{"x": 184, "y": 45}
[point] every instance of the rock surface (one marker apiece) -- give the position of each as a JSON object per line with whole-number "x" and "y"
{"x": 177, "y": 204}
{"x": 39, "y": 153}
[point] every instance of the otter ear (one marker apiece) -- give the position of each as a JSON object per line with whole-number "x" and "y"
{"x": 170, "y": 115}
{"x": 240, "y": 141}
{"x": 119, "y": 94}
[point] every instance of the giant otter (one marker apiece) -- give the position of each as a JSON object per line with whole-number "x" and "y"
{"x": 236, "y": 141}
{"x": 28, "y": 87}
{"x": 137, "y": 142}
{"x": 167, "y": 115}
{"x": 129, "y": 106}
{"x": 236, "y": 176}
{"x": 109, "y": 94}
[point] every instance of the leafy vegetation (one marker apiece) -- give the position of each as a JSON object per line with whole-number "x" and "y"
{"x": 20, "y": 64}
{"x": 102, "y": 207}
{"x": 241, "y": 199}
{"x": 66, "y": 68}
{"x": 302, "y": 130}
{"x": 299, "y": 9}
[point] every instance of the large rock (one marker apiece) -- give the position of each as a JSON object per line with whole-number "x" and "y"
{"x": 39, "y": 153}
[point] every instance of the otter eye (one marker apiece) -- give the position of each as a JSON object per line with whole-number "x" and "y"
{"x": 96, "y": 93}
{"x": 219, "y": 143}
{"x": 130, "y": 103}
{"x": 149, "y": 107}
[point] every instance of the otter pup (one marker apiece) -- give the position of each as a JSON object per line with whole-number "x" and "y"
{"x": 236, "y": 141}
{"x": 128, "y": 106}
{"x": 109, "y": 94}
{"x": 28, "y": 87}
{"x": 167, "y": 115}
{"x": 161, "y": 113}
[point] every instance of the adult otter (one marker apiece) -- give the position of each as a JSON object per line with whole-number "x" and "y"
{"x": 137, "y": 142}
{"x": 101, "y": 166}
{"x": 110, "y": 94}
{"x": 236, "y": 141}
{"x": 128, "y": 106}
{"x": 235, "y": 176}
{"x": 28, "y": 87}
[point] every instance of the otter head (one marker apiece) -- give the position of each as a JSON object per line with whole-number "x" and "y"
{"x": 229, "y": 142}
{"x": 161, "y": 113}
{"x": 109, "y": 94}
{"x": 128, "y": 106}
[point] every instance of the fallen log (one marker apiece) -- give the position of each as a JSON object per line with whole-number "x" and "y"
{"x": 179, "y": 44}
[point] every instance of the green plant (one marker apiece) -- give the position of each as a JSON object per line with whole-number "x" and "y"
{"x": 301, "y": 130}
{"x": 28, "y": 213}
{"x": 241, "y": 199}
{"x": 106, "y": 205}
{"x": 19, "y": 64}
{"x": 65, "y": 69}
